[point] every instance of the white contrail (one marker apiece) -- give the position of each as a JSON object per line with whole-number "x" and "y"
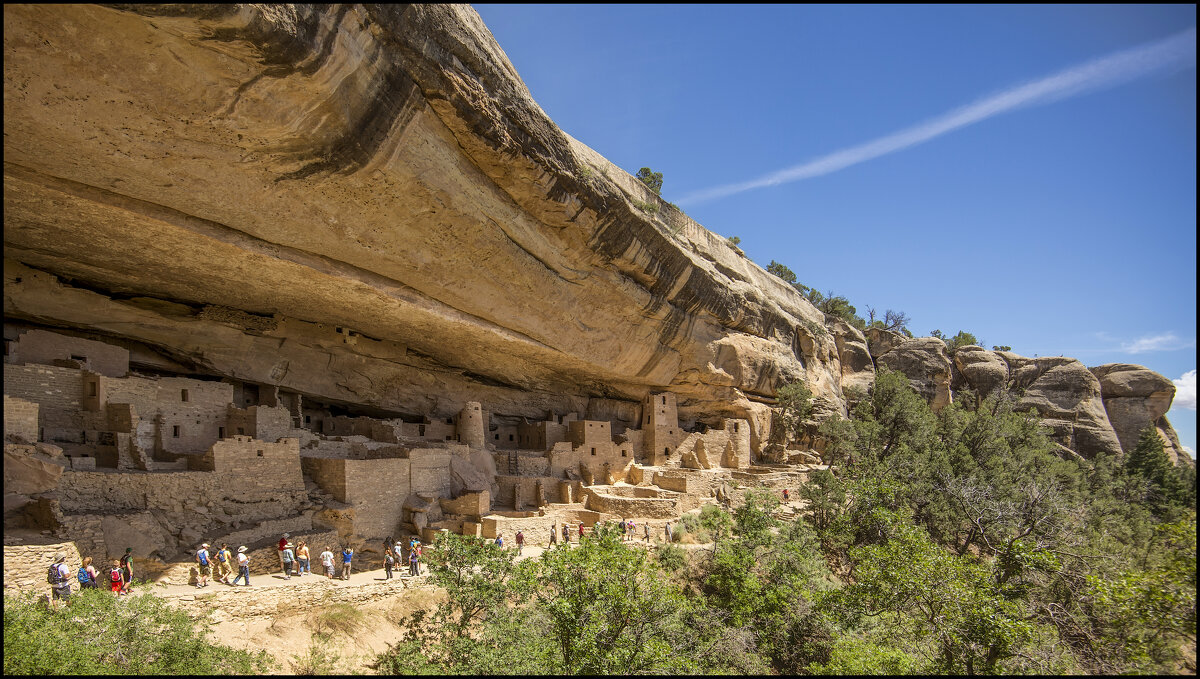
{"x": 1177, "y": 51}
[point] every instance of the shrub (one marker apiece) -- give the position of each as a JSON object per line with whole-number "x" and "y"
{"x": 98, "y": 633}
{"x": 650, "y": 208}
{"x": 651, "y": 179}
{"x": 671, "y": 557}
{"x": 338, "y": 618}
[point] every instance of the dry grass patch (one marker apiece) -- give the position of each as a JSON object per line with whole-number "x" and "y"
{"x": 340, "y": 618}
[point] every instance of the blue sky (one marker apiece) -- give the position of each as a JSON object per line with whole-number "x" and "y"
{"x": 1056, "y": 223}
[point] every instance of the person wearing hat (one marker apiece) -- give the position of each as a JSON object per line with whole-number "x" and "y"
{"x": 203, "y": 565}
{"x": 60, "y": 582}
{"x": 243, "y": 566}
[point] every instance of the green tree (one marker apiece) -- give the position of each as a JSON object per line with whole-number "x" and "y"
{"x": 795, "y": 407}
{"x": 609, "y": 609}
{"x": 650, "y": 178}
{"x": 98, "y": 633}
{"x": 781, "y": 271}
{"x": 1148, "y": 461}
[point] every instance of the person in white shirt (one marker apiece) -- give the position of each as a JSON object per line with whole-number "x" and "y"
{"x": 243, "y": 566}
{"x": 204, "y": 565}
{"x": 327, "y": 561}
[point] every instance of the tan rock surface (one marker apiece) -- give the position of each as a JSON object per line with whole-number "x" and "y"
{"x": 984, "y": 371}
{"x": 1067, "y": 397}
{"x": 925, "y": 363}
{"x": 1135, "y": 397}
{"x": 386, "y": 172}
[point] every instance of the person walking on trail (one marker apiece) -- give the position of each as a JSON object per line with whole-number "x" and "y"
{"x": 116, "y": 578}
{"x": 624, "y": 528}
{"x": 347, "y": 556}
{"x": 203, "y": 566}
{"x": 646, "y": 526}
{"x": 553, "y": 538}
{"x": 500, "y": 540}
{"x": 59, "y": 578}
{"x": 327, "y": 562}
{"x": 566, "y": 534}
{"x": 388, "y": 562}
{"x": 667, "y": 530}
{"x": 87, "y": 576}
{"x": 288, "y": 559}
{"x": 581, "y": 531}
{"x": 127, "y": 569}
{"x": 785, "y": 495}
{"x": 222, "y": 565}
{"x": 243, "y": 562}
{"x": 520, "y": 542}
{"x": 302, "y": 558}
{"x": 413, "y": 560}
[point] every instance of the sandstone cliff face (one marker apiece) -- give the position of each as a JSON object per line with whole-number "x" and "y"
{"x": 364, "y": 205}
{"x": 233, "y": 185}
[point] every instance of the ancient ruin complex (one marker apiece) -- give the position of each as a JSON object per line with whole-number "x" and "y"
{"x": 330, "y": 270}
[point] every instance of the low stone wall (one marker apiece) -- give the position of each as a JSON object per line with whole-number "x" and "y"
{"x": 25, "y": 566}
{"x": 632, "y": 507}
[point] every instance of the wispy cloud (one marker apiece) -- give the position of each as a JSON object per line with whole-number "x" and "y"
{"x": 1165, "y": 342}
{"x": 1185, "y": 391}
{"x": 1175, "y": 52}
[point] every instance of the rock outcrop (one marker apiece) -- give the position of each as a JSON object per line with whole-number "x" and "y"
{"x": 262, "y": 191}
{"x": 363, "y": 205}
{"x": 1136, "y": 397}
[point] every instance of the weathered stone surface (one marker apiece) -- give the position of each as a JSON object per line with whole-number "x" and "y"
{"x": 1067, "y": 397}
{"x": 858, "y": 368}
{"x": 1135, "y": 398}
{"x": 31, "y": 469}
{"x": 389, "y": 173}
{"x": 924, "y": 362}
{"x": 880, "y": 341}
{"x": 983, "y": 371}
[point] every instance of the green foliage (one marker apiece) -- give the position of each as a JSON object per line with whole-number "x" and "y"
{"x": 795, "y": 406}
{"x": 652, "y": 179}
{"x": 1162, "y": 486}
{"x": 337, "y": 618}
{"x": 782, "y": 271}
{"x": 586, "y": 172}
{"x": 960, "y": 339}
{"x": 1002, "y": 347}
{"x": 670, "y": 557}
{"x": 734, "y": 241}
{"x": 98, "y": 633}
{"x": 650, "y": 208}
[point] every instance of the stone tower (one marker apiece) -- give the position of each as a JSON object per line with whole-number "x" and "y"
{"x": 470, "y": 425}
{"x": 660, "y": 422}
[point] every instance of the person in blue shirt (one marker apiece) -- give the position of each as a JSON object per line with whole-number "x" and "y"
{"x": 347, "y": 555}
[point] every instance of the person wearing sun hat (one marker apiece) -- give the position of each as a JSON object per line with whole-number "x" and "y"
{"x": 243, "y": 566}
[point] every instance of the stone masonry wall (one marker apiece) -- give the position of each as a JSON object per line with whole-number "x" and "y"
{"x": 58, "y": 392}
{"x": 378, "y": 488}
{"x": 192, "y": 411}
{"x": 20, "y": 420}
{"x": 44, "y": 347}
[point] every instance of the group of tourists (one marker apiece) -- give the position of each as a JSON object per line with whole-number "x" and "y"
{"x": 58, "y": 576}
{"x": 222, "y": 560}
{"x": 393, "y": 552}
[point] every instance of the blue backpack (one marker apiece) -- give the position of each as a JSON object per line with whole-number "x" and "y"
{"x": 203, "y": 554}
{"x": 83, "y": 576}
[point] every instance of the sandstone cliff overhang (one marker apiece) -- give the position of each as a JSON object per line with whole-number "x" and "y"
{"x": 379, "y": 170}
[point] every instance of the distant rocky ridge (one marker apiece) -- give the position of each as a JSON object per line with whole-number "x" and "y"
{"x": 363, "y": 204}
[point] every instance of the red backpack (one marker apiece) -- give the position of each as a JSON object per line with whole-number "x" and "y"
{"x": 114, "y": 575}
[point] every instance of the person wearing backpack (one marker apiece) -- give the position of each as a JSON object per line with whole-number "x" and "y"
{"x": 302, "y": 558}
{"x": 58, "y": 577}
{"x": 116, "y": 578}
{"x": 223, "y": 564}
{"x": 87, "y": 576}
{"x": 388, "y": 562}
{"x": 204, "y": 565}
